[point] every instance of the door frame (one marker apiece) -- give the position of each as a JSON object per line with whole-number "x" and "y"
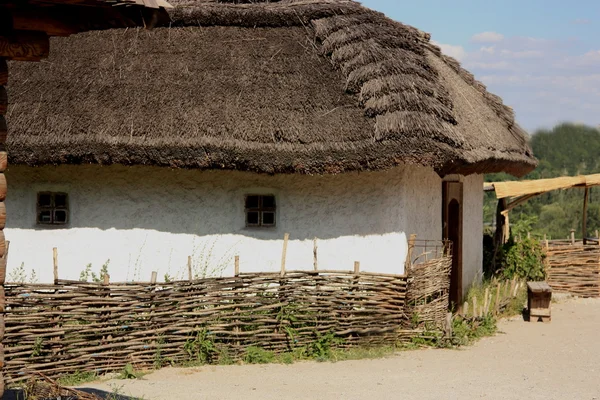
{"x": 453, "y": 190}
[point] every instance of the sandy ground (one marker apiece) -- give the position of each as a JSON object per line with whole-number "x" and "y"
{"x": 560, "y": 360}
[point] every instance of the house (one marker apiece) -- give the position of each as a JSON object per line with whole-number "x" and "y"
{"x": 238, "y": 123}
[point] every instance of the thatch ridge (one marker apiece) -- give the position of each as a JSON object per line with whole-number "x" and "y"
{"x": 292, "y": 86}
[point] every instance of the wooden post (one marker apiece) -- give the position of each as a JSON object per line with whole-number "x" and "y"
{"x": 475, "y": 307}
{"x": 597, "y": 237}
{"x": 411, "y": 247}
{"x": 106, "y": 280}
{"x": 465, "y": 310}
{"x": 497, "y": 308}
{"x": 356, "y": 267}
{"x": 190, "y": 273}
{"x": 315, "y": 258}
{"x": 485, "y": 301}
{"x": 153, "y": 277}
{"x": 449, "y": 325}
{"x": 528, "y": 235}
{"x": 584, "y": 215}
{"x": 237, "y": 266}
{"x": 55, "y": 262}
{"x": 573, "y": 237}
{"x": 286, "y": 238}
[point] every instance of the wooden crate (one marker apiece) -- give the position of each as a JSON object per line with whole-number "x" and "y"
{"x": 539, "y": 301}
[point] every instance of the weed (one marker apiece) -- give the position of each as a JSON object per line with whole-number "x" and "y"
{"x": 129, "y": 372}
{"x": 224, "y": 357}
{"x": 201, "y": 347}
{"x": 87, "y": 273}
{"x": 77, "y": 378}
{"x": 17, "y": 275}
{"x": 38, "y": 346}
{"x": 321, "y": 348}
{"x": 466, "y": 331}
{"x": 159, "y": 360}
{"x": 258, "y": 355}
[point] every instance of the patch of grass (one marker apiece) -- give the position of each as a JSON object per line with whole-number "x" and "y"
{"x": 363, "y": 353}
{"x": 129, "y": 372}
{"x": 77, "y": 378}
{"x": 258, "y": 355}
{"x": 467, "y": 330}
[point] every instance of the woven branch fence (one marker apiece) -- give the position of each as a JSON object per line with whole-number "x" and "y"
{"x": 77, "y": 326}
{"x": 573, "y": 268}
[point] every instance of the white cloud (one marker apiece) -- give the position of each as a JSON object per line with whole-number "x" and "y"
{"x": 487, "y": 37}
{"x": 488, "y": 50}
{"x": 457, "y": 52}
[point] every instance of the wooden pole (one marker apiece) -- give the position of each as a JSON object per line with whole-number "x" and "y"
{"x": 286, "y": 238}
{"x": 237, "y": 266}
{"x": 189, "y": 265}
{"x": 465, "y": 310}
{"x": 153, "y": 277}
{"x": 475, "y": 307}
{"x": 497, "y": 308}
{"x": 573, "y": 236}
{"x": 106, "y": 279}
{"x": 356, "y": 267}
{"x": 584, "y": 215}
{"x": 315, "y": 258}
{"x": 55, "y": 262}
{"x": 411, "y": 247}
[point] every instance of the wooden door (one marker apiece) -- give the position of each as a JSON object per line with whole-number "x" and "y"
{"x": 452, "y": 217}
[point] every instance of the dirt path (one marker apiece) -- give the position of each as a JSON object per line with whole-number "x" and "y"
{"x": 560, "y": 360}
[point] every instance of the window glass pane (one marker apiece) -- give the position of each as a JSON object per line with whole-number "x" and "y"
{"x": 45, "y": 217}
{"x": 252, "y": 218}
{"x": 44, "y": 199}
{"x": 60, "y": 200}
{"x": 60, "y": 217}
{"x": 268, "y": 218}
{"x": 268, "y": 202}
{"x": 252, "y": 201}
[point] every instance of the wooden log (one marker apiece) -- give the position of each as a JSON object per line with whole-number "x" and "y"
{"x": 3, "y": 129}
{"x": 55, "y": 264}
{"x": 237, "y": 266}
{"x": 2, "y": 215}
{"x": 25, "y": 46}
{"x": 3, "y": 263}
{"x": 286, "y": 238}
{"x": 2, "y": 187}
{"x": 3, "y": 72}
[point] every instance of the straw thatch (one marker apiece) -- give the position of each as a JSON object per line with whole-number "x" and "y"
{"x": 296, "y": 86}
{"x": 538, "y": 186}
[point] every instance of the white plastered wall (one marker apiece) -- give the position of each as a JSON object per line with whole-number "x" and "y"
{"x": 146, "y": 219}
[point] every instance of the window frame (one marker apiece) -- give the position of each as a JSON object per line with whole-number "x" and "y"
{"x": 52, "y": 208}
{"x": 261, "y": 210}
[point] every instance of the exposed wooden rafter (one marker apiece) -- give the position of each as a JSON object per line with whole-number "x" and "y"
{"x": 24, "y": 46}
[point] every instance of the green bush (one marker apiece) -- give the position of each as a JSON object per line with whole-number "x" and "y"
{"x": 524, "y": 260}
{"x": 258, "y": 355}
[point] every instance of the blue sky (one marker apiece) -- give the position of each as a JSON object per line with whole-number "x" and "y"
{"x": 541, "y": 56}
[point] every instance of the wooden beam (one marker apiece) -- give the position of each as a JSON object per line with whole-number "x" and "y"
{"x": 51, "y": 22}
{"x": 25, "y": 46}
{"x": 3, "y": 100}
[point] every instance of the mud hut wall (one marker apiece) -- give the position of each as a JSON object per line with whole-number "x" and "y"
{"x": 151, "y": 219}
{"x": 76, "y": 326}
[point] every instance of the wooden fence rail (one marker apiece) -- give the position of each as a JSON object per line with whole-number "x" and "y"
{"x": 78, "y": 326}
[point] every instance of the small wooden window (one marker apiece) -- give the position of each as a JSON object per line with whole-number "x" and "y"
{"x": 52, "y": 208}
{"x": 260, "y": 210}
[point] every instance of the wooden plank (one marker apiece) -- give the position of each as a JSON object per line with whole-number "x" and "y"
{"x": 52, "y": 23}
{"x": 25, "y": 46}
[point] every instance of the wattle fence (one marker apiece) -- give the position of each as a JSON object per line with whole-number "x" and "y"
{"x": 77, "y": 326}
{"x": 573, "y": 267}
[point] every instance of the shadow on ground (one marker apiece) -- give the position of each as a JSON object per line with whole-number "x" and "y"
{"x": 18, "y": 395}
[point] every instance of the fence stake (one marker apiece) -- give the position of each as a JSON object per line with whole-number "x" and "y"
{"x": 498, "y": 299}
{"x": 573, "y": 236}
{"x": 190, "y": 274}
{"x": 465, "y": 309}
{"x": 485, "y": 301}
{"x": 315, "y": 260}
{"x": 449, "y": 325}
{"x": 153, "y": 277}
{"x": 55, "y": 262}
{"x": 237, "y": 266}
{"x": 106, "y": 279}
{"x": 286, "y": 237}
{"x": 356, "y": 267}
{"x": 411, "y": 246}
{"x": 475, "y": 307}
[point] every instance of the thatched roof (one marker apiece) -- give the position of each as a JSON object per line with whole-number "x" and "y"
{"x": 295, "y": 86}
